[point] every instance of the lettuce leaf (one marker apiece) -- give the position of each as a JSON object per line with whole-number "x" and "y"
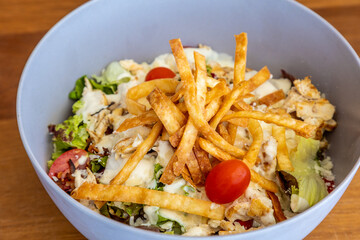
{"x": 76, "y": 93}
{"x": 311, "y": 187}
{"x": 77, "y": 105}
{"x": 121, "y": 211}
{"x": 108, "y": 81}
{"x": 110, "y": 78}
{"x": 175, "y": 228}
{"x": 158, "y": 171}
{"x": 69, "y": 134}
{"x": 98, "y": 164}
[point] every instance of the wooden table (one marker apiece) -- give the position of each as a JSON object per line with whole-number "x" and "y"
{"x": 26, "y": 211}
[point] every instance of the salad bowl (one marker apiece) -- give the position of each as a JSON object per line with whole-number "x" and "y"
{"x": 282, "y": 35}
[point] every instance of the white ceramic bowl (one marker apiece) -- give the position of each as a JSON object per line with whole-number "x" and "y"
{"x": 282, "y": 34}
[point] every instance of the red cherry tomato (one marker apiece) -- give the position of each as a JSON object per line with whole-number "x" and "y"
{"x": 61, "y": 165}
{"x": 227, "y": 181}
{"x": 246, "y": 224}
{"x": 329, "y": 184}
{"x": 159, "y": 72}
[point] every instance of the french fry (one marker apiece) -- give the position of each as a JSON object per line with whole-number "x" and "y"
{"x": 168, "y": 175}
{"x": 203, "y": 159}
{"x": 164, "y": 135}
{"x": 210, "y": 111}
{"x": 121, "y": 193}
{"x": 176, "y": 137}
{"x": 191, "y": 101}
{"x": 263, "y": 182}
{"x": 179, "y": 94}
{"x": 182, "y": 107}
{"x": 186, "y": 175}
{"x": 134, "y": 107}
{"x": 232, "y": 129}
{"x": 247, "y": 95}
{"x": 139, "y": 154}
{"x": 257, "y": 135}
{"x": 171, "y": 117}
{"x": 214, "y": 151}
{"x": 223, "y": 131}
{"x": 278, "y": 212}
{"x": 241, "y": 105}
{"x": 282, "y": 154}
{"x": 185, "y": 147}
{"x": 241, "y": 122}
{"x": 240, "y": 58}
{"x": 184, "y": 151}
{"x": 301, "y": 128}
{"x": 146, "y": 118}
{"x": 271, "y": 98}
{"x": 193, "y": 167}
{"x": 218, "y": 91}
{"x": 200, "y": 79}
{"x": 212, "y": 108}
{"x": 243, "y": 88}
{"x": 211, "y": 82}
{"x": 167, "y": 85}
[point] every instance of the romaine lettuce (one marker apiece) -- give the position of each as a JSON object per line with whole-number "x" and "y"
{"x": 312, "y": 187}
{"x": 76, "y": 93}
{"x": 158, "y": 170}
{"x": 69, "y": 134}
{"x": 111, "y": 77}
{"x": 107, "y": 82}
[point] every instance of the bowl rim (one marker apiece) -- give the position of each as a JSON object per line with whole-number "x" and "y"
{"x": 42, "y": 175}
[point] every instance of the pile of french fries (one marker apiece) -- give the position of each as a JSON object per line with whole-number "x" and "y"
{"x": 199, "y": 116}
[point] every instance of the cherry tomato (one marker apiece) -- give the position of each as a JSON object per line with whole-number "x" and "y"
{"x": 159, "y": 72}
{"x": 329, "y": 184}
{"x": 246, "y": 224}
{"x": 61, "y": 165}
{"x": 227, "y": 181}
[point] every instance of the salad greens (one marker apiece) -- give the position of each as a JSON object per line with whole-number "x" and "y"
{"x": 158, "y": 170}
{"x": 170, "y": 226}
{"x": 311, "y": 187}
{"x": 98, "y": 164}
{"x": 69, "y": 134}
{"x": 121, "y": 210}
{"x": 107, "y": 82}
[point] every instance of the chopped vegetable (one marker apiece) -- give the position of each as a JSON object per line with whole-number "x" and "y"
{"x": 311, "y": 187}
{"x": 98, "y": 164}
{"x": 76, "y": 93}
{"x": 69, "y": 134}
{"x": 158, "y": 171}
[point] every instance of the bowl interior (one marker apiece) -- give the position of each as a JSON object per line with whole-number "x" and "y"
{"x": 85, "y": 42}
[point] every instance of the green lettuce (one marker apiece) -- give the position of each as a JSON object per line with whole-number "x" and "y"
{"x": 69, "y": 134}
{"x": 158, "y": 171}
{"x": 98, "y": 164}
{"x": 176, "y": 228}
{"x": 188, "y": 189}
{"x": 77, "y": 105}
{"x": 121, "y": 210}
{"x": 76, "y": 93}
{"x": 311, "y": 187}
{"x": 108, "y": 81}
{"x": 208, "y": 70}
{"x": 111, "y": 77}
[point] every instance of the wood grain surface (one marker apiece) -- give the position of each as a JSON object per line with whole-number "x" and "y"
{"x": 26, "y": 211}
